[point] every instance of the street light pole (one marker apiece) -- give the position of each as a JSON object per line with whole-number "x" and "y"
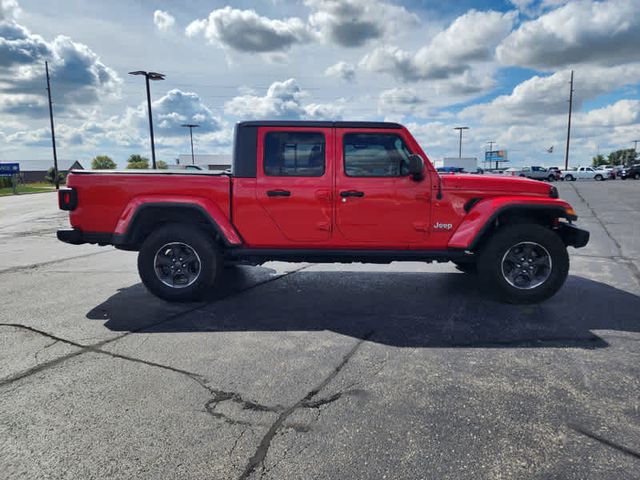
{"x": 635, "y": 148}
{"x": 460, "y": 144}
{"x": 191, "y": 126}
{"x": 150, "y": 76}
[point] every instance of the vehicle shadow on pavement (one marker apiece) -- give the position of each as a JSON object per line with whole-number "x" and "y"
{"x": 438, "y": 310}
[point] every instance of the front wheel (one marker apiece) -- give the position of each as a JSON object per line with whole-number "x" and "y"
{"x": 524, "y": 263}
{"x": 636, "y": 176}
{"x": 599, "y": 178}
{"x": 551, "y": 178}
{"x": 179, "y": 263}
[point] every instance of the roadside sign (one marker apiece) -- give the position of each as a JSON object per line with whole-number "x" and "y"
{"x": 496, "y": 156}
{"x": 9, "y": 169}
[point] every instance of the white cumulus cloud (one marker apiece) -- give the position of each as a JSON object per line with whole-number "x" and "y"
{"x": 471, "y": 38}
{"x": 246, "y": 31}
{"x": 283, "y": 100}
{"x": 604, "y": 33}
{"x": 163, "y": 21}
{"x": 343, "y": 70}
{"x": 78, "y": 75}
{"x": 352, "y": 23}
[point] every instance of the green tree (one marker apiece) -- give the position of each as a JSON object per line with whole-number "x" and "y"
{"x": 162, "y": 165}
{"x": 136, "y": 161}
{"x": 50, "y": 176}
{"x": 103, "y": 162}
{"x": 598, "y": 160}
{"x": 626, "y": 156}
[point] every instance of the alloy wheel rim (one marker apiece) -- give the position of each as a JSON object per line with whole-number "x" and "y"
{"x": 526, "y": 265}
{"x": 177, "y": 265}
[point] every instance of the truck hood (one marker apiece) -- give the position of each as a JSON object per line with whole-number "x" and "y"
{"x": 494, "y": 184}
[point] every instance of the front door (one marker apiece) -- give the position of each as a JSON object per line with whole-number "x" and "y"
{"x": 377, "y": 202}
{"x": 294, "y": 182}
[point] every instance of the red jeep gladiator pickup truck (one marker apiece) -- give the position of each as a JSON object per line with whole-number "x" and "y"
{"x": 325, "y": 192}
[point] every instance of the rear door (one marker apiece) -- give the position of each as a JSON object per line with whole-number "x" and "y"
{"x": 377, "y": 203}
{"x": 294, "y": 182}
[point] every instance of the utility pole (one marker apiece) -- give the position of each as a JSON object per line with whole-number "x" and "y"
{"x": 56, "y": 180}
{"x": 566, "y": 153}
{"x": 460, "y": 143}
{"x": 150, "y": 76}
{"x": 191, "y": 126}
{"x": 635, "y": 148}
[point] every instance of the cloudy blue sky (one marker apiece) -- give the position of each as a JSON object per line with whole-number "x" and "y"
{"x": 499, "y": 67}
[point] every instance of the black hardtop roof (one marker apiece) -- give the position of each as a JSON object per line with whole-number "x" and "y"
{"x": 317, "y": 124}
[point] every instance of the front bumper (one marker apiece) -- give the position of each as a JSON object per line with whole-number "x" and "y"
{"x": 79, "y": 237}
{"x": 573, "y": 236}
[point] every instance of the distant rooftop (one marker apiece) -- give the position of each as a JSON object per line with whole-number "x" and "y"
{"x": 42, "y": 165}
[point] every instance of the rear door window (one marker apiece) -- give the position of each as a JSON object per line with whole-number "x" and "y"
{"x": 294, "y": 154}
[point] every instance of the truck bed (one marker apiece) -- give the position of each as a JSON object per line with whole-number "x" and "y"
{"x": 114, "y": 193}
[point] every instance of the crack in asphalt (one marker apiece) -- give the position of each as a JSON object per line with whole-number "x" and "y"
{"x": 42, "y": 232}
{"x": 604, "y": 441}
{"x": 628, "y": 262}
{"x": 35, "y": 355}
{"x": 34, "y": 266}
{"x": 332, "y": 398}
{"x": 260, "y": 454}
{"x": 218, "y": 396}
{"x": 96, "y": 346}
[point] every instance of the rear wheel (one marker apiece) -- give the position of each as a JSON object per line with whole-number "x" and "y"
{"x": 551, "y": 178}
{"x": 179, "y": 263}
{"x": 524, "y": 263}
{"x": 569, "y": 178}
{"x": 636, "y": 176}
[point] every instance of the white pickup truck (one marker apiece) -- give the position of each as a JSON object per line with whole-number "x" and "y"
{"x": 583, "y": 173}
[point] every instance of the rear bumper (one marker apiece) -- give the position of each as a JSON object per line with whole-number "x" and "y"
{"x": 78, "y": 237}
{"x": 573, "y": 236}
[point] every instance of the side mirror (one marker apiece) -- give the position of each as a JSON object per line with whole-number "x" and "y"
{"x": 416, "y": 167}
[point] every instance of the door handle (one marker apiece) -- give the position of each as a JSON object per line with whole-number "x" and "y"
{"x": 278, "y": 193}
{"x": 351, "y": 193}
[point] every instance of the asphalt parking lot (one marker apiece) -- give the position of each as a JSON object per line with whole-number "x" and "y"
{"x": 299, "y": 371}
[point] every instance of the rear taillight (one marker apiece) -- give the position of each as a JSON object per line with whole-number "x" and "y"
{"x": 67, "y": 199}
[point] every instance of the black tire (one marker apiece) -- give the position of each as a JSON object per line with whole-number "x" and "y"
{"x": 569, "y": 178}
{"x": 467, "y": 267}
{"x": 636, "y": 176}
{"x": 551, "y": 178}
{"x": 599, "y": 177}
{"x": 492, "y": 262}
{"x": 177, "y": 239}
